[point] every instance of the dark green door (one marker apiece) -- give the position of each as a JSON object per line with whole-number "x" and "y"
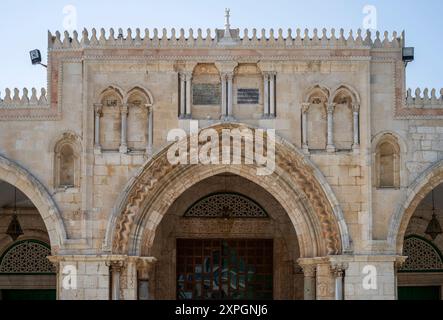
{"x": 419, "y": 293}
{"x": 28, "y": 294}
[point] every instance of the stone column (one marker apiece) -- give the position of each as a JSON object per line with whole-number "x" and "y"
{"x": 309, "y": 281}
{"x": 188, "y": 95}
{"x": 304, "y": 115}
{"x": 144, "y": 267}
{"x": 356, "y": 113}
{"x": 229, "y": 79}
{"x": 324, "y": 281}
{"x": 338, "y": 273}
{"x": 124, "y": 129}
{"x": 272, "y": 94}
{"x": 182, "y": 78}
{"x": 98, "y": 113}
{"x": 56, "y": 263}
{"x": 149, "y": 147}
{"x": 330, "y": 144}
{"x": 116, "y": 271}
{"x": 266, "y": 95}
{"x": 224, "y": 111}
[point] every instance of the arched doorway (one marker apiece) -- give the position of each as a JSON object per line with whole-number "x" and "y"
{"x": 226, "y": 238}
{"x": 25, "y": 271}
{"x": 304, "y": 198}
{"x": 415, "y": 232}
{"x": 30, "y": 230}
{"x": 421, "y": 277}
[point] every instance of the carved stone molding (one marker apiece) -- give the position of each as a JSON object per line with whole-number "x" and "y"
{"x": 158, "y": 171}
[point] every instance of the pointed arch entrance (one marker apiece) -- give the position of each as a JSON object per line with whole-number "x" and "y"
{"x": 296, "y": 186}
{"x": 32, "y": 231}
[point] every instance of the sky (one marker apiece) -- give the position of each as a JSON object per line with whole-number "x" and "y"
{"x": 24, "y": 26}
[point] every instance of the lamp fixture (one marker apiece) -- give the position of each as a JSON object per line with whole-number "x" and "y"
{"x": 434, "y": 227}
{"x": 14, "y": 229}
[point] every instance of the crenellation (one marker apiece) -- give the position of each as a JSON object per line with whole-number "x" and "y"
{"x": 271, "y": 38}
{"x": 22, "y": 99}
{"x": 424, "y": 99}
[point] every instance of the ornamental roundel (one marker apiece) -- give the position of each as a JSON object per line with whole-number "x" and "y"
{"x": 225, "y": 205}
{"x": 27, "y": 257}
{"x": 422, "y": 256}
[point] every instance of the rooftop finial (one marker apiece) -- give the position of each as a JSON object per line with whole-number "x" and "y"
{"x": 227, "y": 17}
{"x": 227, "y": 24}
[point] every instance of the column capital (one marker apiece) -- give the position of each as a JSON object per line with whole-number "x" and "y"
{"x": 309, "y": 270}
{"x": 305, "y": 106}
{"x": 98, "y": 107}
{"x": 116, "y": 265}
{"x": 331, "y": 107}
{"x": 226, "y": 66}
{"x": 124, "y": 108}
{"x": 356, "y": 107}
{"x": 227, "y": 75}
{"x": 338, "y": 269}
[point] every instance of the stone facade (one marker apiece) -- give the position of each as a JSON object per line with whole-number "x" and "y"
{"x": 356, "y": 153}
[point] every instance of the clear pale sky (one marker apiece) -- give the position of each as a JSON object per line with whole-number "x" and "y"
{"x": 24, "y": 26}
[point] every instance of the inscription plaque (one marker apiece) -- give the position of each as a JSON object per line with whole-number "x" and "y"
{"x": 248, "y": 96}
{"x": 206, "y": 94}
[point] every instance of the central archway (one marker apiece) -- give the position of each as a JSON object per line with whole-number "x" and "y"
{"x": 297, "y": 185}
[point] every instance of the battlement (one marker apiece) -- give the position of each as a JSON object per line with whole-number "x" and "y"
{"x": 23, "y": 100}
{"x": 223, "y": 38}
{"x": 426, "y": 99}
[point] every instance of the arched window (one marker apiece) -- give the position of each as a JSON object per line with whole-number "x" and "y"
{"x": 343, "y": 120}
{"x": 317, "y": 119}
{"x": 67, "y": 162}
{"x": 138, "y": 111}
{"x": 26, "y": 257}
{"x": 110, "y": 120}
{"x": 422, "y": 256}
{"x": 226, "y": 205}
{"x": 388, "y": 163}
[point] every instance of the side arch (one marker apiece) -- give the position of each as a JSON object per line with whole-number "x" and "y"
{"x": 22, "y": 179}
{"x": 413, "y": 195}
{"x": 140, "y": 89}
{"x": 150, "y": 192}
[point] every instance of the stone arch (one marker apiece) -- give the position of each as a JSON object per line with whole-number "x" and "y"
{"x": 22, "y": 179}
{"x": 111, "y": 88}
{"x": 296, "y": 183}
{"x": 407, "y": 205}
{"x": 345, "y": 89}
{"x": 141, "y": 90}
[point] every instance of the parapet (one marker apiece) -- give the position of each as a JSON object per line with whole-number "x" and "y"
{"x": 247, "y": 39}
{"x": 17, "y": 100}
{"x": 426, "y": 99}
